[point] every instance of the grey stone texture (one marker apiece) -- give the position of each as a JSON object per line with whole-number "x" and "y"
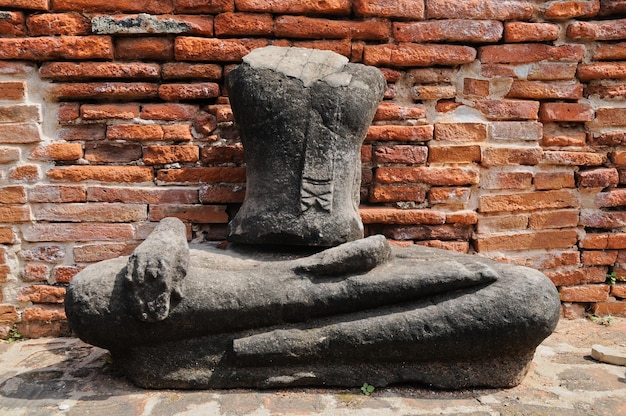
{"x": 269, "y": 319}
{"x": 303, "y": 115}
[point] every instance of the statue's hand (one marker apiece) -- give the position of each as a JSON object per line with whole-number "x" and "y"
{"x": 156, "y": 269}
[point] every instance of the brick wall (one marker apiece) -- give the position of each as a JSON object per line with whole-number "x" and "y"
{"x": 502, "y": 133}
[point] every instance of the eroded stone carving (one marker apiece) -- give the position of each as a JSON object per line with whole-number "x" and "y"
{"x": 253, "y": 316}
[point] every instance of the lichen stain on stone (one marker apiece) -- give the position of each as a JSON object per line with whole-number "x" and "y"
{"x": 142, "y": 23}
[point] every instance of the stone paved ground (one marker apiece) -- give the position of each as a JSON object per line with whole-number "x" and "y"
{"x": 63, "y": 376}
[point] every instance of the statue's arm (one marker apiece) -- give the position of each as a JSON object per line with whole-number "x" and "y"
{"x": 156, "y": 269}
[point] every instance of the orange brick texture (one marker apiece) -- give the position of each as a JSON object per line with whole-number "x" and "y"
{"x": 502, "y": 132}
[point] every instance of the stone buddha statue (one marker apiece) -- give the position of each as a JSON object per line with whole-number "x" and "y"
{"x": 300, "y": 298}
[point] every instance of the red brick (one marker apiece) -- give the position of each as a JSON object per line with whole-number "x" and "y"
{"x": 445, "y": 106}
{"x": 112, "y": 152}
{"x": 462, "y": 217}
{"x": 42, "y": 294}
{"x": 223, "y": 113}
{"x": 405, "y": 9}
{"x": 502, "y": 223}
{"x": 9, "y": 155}
{"x": 12, "y": 24}
{"x": 458, "y": 246}
{"x": 409, "y": 54}
{"x": 57, "y": 193}
{"x": 449, "y": 196}
{"x": 479, "y": 9}
{"x": 12, "y": 194}
{"x": 203, "y": 175}
{"x": 58, "y": 151}
{"x": 507, "y": 180}
{"x": 494, "y": 156}
{"x": 577, "y": 276}
{"x": 14, "y": 213}
{"x": 602, "y": 30}
{"x": 222, "y": 154}
{"x": 498, "y": 71}
{"x": 127, "y": 91}
{"x": 610, "y": 52}
{"x": 538, "y": 90}
{"x": 168, "y": 112}
{"x": 598, "y": 178}
{"x": 58, "y": 24}
{"x": 211, "y": 49}
{"x": 508, "y": 109}
{"x": 454, "y": 154}
{"x": 516, "y": 130}
{"x": 553, "y": 135}
{"x": 432, "y": 75}
{"x": 599, "y": 258}
{"x": 529, "y": 201}
{"x": 612, "y": 198}
{"x": 160, "y": 155}
{"x": 609, "y": 308}
{"x": 183, "y": 70}
{"x": 178, "y": 132}
{"x": 477, "y": 87}
{"x": 60, "y": 47}
{"x": 62, "y": 232}
{"x": 400, "y": 133}
{"x": 530, "y": 32}
{"x": 599, "y": 241}
{"x": 156, "y": 7}
{"x": 120, "y": 174}
{"x": 461, "y": 132}
{"x": 125, "y": 111}
{"x": 449, "y": 176}
{"x": 90, "y": 253}
{"x": 47, "y": 253}
{"x": 91, "y": 212}
{"x": 192, "y": 91}
{"x": 334, "y": 7}
{"x": 611, "y": 92}
{"x": 8, "y": 314}
{"x": 554, "y": 219}
{"x": 433, "y": 92}
{"x": 573, "y": 158}
{"x": 315, "y": 28}
{"x": 387, "y": 111}
{"x": 530, "y": 52}
{"x": 202, "y": 214}
{"x": 342, "y": 47}
{"x": 407, "y": 154}
{"x": 68, "y": 112}
{"x": 428, "y": 232}
{"x": 376, "y": 215}
{"x": 46, "y": 313}
{"x": 202, "y": 6}
{"x": 26, "y": 4}
{"x": 4, "y": 274}
{"x": 618, "y": 157}
{"x": 591, "y": 293}
{"x": 457, "y": 30}
{"x": 25, "y": 173}
{"x": 142, "y": 195}
{"x": 148, "y": 48}
{"x": 603, "y": 219}
{"x": 618, "y": 290}
{"x": 564, "y": 10}
{"x": 13, "y": 90}
{"x": 222, "y": 194}
{"x": 554, "y": 180}
{"x": 543, "y": 239}
{"x": 20, "y": 113}
{"x": 552, "y": 71}
{"x": 390, "y": 193}
{"x": 601, "y": 70}
{"x": 243, "y": 24}
{"x": 7, "y": 236}
{"x": 36, "y": 273}
{"x": 85, "y": 71}
{"x": 566, "y": 112}
{"x": 135, "y": 132}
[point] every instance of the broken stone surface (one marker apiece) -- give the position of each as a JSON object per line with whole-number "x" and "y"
{"x": 303, "y": 115}
{"x": 608, "y": 355}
